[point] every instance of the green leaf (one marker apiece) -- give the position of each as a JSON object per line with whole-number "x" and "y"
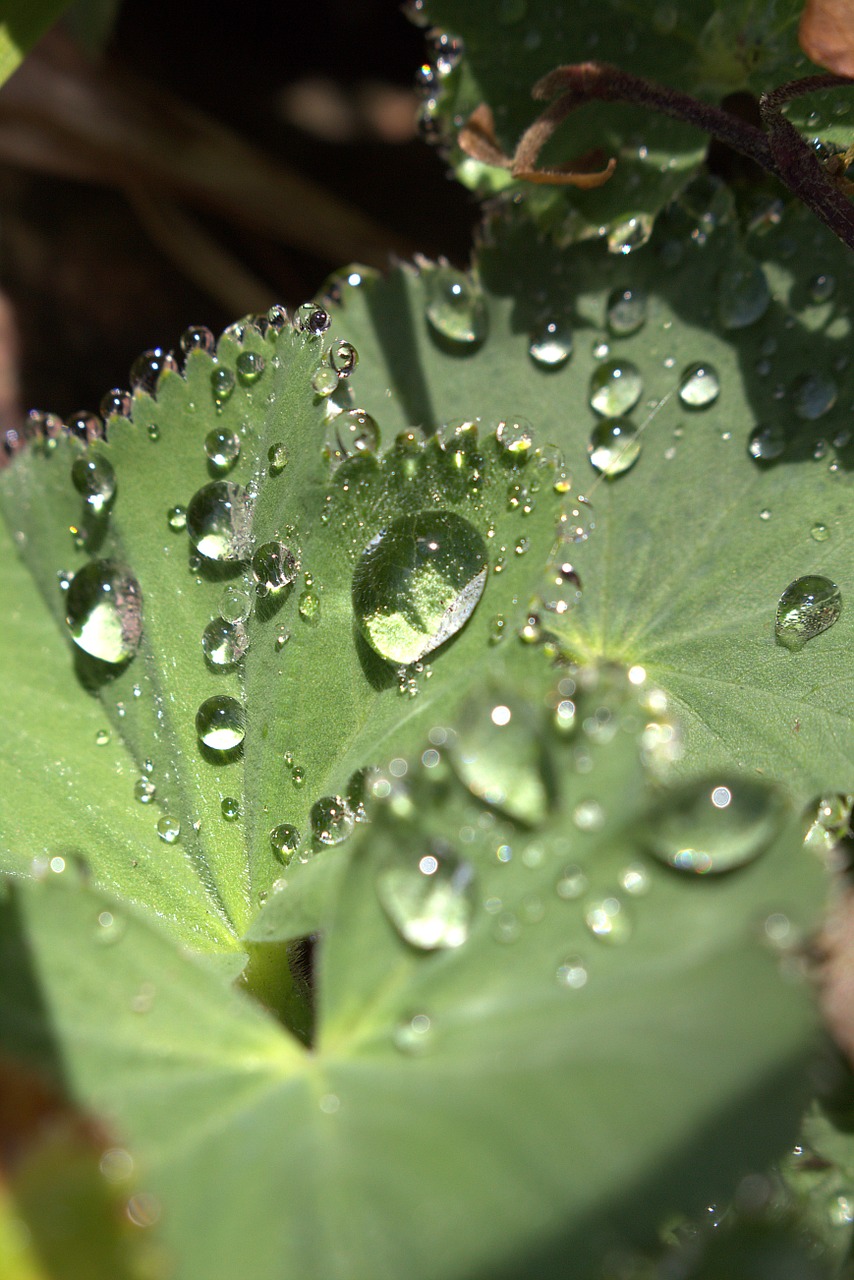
{"x": 694, "y": 545}
{"x": 22, "y": 22}
{"x": 709, "y": 50}
{"x": 465, "y": 1110}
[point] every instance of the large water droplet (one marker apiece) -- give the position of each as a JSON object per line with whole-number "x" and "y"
{"x": 274, "y": 566}
{"x": 417, "y": 583}
{"x": 349, "y": 434}
{"x": 455, "y": 306}
{"x": 807, "y": 607}
{"x": 221, "y": 723}
{"x": 551, "y": 344}
{"x": 147, "y": 368}
{"x": 197, "y": 338}
{"x": 813, "y": 395}
{"x": 250, "y": 366}
{"x": 743, "y": 293}
{"x": 169, "y": 829}
{"x": 716, "y": 824}
{"x": 767, "y": 442}
{"x": 614, "y": 446}
{"x": 428, "y": 895}
{"x": 324, "y": 380}
{"x": 332, "y": 820}
{"x": 626, "y": 311}
{"x": 515, "y": 436}
{"x": 615, "y": 388}
{"x": 284, "y": 841}
{"x": 222, "y": 449}
{"x": 498, "y": 754}
{"x": 343, "y": 358}
{"x": 224, "y": 643}
{"x": 95, "y": 479}
{"x": 218, "y": 521}
{"x": 699, "y": 385}
{"x": 631, "y": 234}
{"x": 222, "y": 386}
{"x": 103, "y": 606}
{"x": 116, "y": 403}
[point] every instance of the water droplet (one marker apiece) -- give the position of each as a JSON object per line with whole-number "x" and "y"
{"x": 813, "y": 395}
{"x": 743, "y": 295}
{"x": 95, "y": 479}
{"x": 614, "y": 446}
{"x": 177, "y": 518}
{"x": 224, "y": 643}
{"x": 298, "y": 776}
{"x": 169, "y": 829}
{"x": 428, "y": 894}
{"x": 250, "y": 366}
{"x": 222, "y": 385}
{"x": 235, "y": 604}
{"x": 111, "y": 928}
{"x": 197, "y": 338}
{"x": 631, "y": 234}
{"x": 309, "y": 606}
{"x": 588, "y": 815}
{"x": 230, "y": 808}
{"x": 343, "y": 358}
{"x": 277, "y": 456}
{"x": 311, "y": 319}
{"x": 819, "y": 533}
{"x": 277, "y": 317}
{"x": 221, "y": 723}
{"x": 497, "y": 628}
{"x": 699, "y": 385}
{"x": 102, "y": 738}
{"x": 324, "y": 380}
{"x": 615, "y": 388}
{"x": 608, "y": 920}
{"x": 332, "y": 820}
{"x": 635, "y": 879}
{"x": 822, "y": 288}
{"x": 218, "y": 521}
{"x": 350, "y": 434}
{"x": 626, "y": 311}
{"x": 713, "y": 825}
{"x": 766, "y": 442}
{"x": 498, "y": 755}
{"x": 116, "y": 404}
{"x": 807, "y": 607}
{"x": 515, "y": 436}
{"x": 147, "y": 368}
{"x": 413, "y": 1035}
{"x": 455, "y": 307}
{"x": 572, "y": 973}
{"x": 222, "y": 449}
{"x": 417, "y": 583}
{"x": 144, "y": 790}
{"x": 551, "y": 344}
{"x": 273, "y": 567}
{"x": 104, "y": 611}
{"x": 284, "y": 841}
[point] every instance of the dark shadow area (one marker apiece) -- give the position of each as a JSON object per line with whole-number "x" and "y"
{"x": 93, "y": 674}
{"x": 26, "y": 1029}
{"x": 379, "y": 675}
{"x": 266, "y": 607}
{"x": 394, "y": 323}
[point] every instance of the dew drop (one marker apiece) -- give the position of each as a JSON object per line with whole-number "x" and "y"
{"x": 608, "y": 920}
{"x": 634, "y": 879}
{"x": 147, "y": 368}
{"x": 615, "y": 388}
{"x": 222, "y": 449}
{"x": 311, "y": 319}
{"x": 819, "y": 533}
{"x": 332, "y": 820}
{"x": 222, "y": 385}
{"x": 116, "y": 404}
{"x": 626, "y": 311}
{"x": 324, "y": 380}
{"x": 743, "y": 295}
{"x": 343, "y": 358}
{"x": 218, "y": 521}
{"x": 111, "y": 928}
{"x": 250, "y": 366}
{"x": 104, "y": 611}
{"x": 350, "y": 434}
{"x": 417, "y": 583}
{"x": 813, "y": 395}
{"x": 497, "y": 754}
{"x": 807, "y": 607}
{"x": 715, "y": 824}
{"x": 95, "y": 479}
{"x": 235, "y": 604}
{"x": 102, "y": 738}
{"x": 144, "y": 790}
{"x": 515, "y": 436}
{"x": 169, "y": 829}
{"x": 614, "y": 446}
{"x": 455, "y": 307}
{"x": 284, "y": 841}
{"x": 274, "y": 566}
{"x": 413, "y": 1035}
{"x": 699, "y": 385}
{"x": 277, "y": 456}
{"x": 572, "y": 973}
{"x": 221, "y": 723}
{"x": 197, "y": 338}
{"x": 224, "y": 643}
{"x": 428, "y": 894}
{"x": 767, "y": 442}
{"x": 230, "y": 808}
{"x": 176, "y": 518}
{"x": 822, "y": 288}
{"x": 309, "y": 606}
{"x": 551, "y": 344}
{"x": 631, "y": 234}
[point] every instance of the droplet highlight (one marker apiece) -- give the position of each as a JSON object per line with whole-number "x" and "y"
{"x": 615, "y": 388}
{"x": 218, "y": 522}
{"x": 221, "y": 723}
{"x": 429, "y": 896}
